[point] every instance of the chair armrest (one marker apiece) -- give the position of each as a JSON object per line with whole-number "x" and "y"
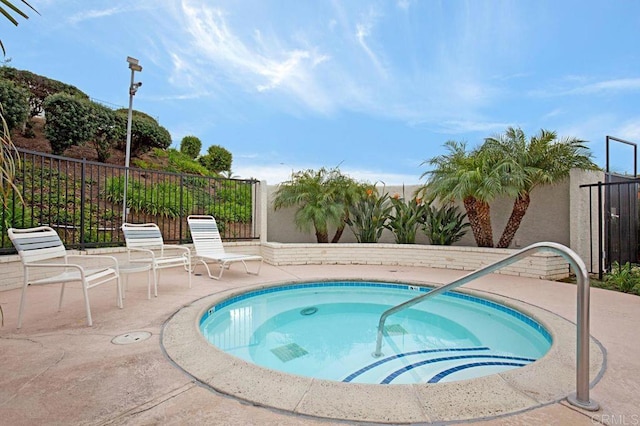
{"x": 152, "y": 255}
{"x": 185, "y": 249}
{"x": 55, "y": 265}
{"x": 112, "y": 260}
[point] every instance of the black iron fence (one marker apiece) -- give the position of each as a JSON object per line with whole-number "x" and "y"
{"x": 83, "y": 200}
{"x": 614, "y": 221}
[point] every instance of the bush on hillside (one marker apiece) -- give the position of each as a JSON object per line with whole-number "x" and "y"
{"x": 182, "y": 163}
{"x": 135, "y": 114}
{"x": 69, "y": 121}
{"x": 147, "y": 134}
{"x": 108, "y": 129}
{"x": 39, "y": 87}
{"x": 217, "y": 159}
{"x": 190, "y": 146}
{"x": 15, "y": 103}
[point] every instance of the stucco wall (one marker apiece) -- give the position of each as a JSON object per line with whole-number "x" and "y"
{"x": 547, "y": 219}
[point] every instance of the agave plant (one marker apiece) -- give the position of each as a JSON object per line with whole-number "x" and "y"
{"x": 368, "y": 216}
{"x": 405, "y": 219}
{"x": 445, "y": 225}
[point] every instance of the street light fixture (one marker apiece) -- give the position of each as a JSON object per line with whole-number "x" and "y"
{"x": 133, "y": 88}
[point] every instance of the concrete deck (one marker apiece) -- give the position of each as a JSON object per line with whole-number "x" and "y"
{"x": 57, "y": 371}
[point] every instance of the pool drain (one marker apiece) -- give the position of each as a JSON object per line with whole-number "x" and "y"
{"x": 309, "y": 311}
{"x": 131, "y": 337}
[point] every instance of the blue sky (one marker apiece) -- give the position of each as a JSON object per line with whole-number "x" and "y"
{"x": 375, "y": 87}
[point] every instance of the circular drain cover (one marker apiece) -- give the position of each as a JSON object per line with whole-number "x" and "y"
{"x": 309, "y": 311}
{"x": 131, "y": 337}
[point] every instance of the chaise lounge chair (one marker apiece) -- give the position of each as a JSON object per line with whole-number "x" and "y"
{"x": 42, "y": 248}
{"x": 145, "y": 245}
{"x": 208, "y": 246}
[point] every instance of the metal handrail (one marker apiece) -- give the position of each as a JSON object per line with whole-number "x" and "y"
{"x": 581, "y": 396}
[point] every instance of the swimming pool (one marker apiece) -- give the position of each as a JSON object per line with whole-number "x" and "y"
{"x": 327, "y": 330}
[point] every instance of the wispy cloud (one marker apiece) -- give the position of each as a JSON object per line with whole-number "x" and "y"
{"x": 255, "y": 63}
{"x": 404, "y": 4}
{"x": 363, "y": 32}
{"x": 466, "y": 126}
{"x": 619, "y": 85}
{"x": 630, "y": 130}
{"x": 93, "y": 14}
{"x": 622, "y": 85}
{"x": 277, "y": 173}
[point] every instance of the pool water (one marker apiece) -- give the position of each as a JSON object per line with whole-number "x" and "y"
{"x": 328, "y": 330}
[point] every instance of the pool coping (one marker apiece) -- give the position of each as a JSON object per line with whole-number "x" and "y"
{"x": 548, "y": 380}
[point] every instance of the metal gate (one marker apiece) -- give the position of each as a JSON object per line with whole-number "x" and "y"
{"x": 621, "y": 226}
{"x": 614, "y": 205}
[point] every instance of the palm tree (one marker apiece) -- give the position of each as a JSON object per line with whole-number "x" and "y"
{"x": 470, "y": 177}
{"x": 6, "y": 7}
{"x": 322, "y": 198}
{"x": 525, "y": 164}
{"x": 9, "y": 158}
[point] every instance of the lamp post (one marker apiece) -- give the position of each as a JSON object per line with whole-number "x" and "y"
{"x": 133, "y": 88}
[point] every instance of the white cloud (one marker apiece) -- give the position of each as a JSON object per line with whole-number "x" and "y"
{"x": 278, "y": 173}
{"x": 218, "y": 54}
{"x": 629, "y": 130}
{"x": 584, "y": 88}
{"x": 93, "y": 14}
{"x": 466, "y": 126}
{"x": 363, "y": 31}
{"x": 404, "y": 4}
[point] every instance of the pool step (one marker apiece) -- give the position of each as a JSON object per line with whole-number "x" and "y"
{"x": 435, "y": 365}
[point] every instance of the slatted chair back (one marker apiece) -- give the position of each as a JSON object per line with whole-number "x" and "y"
{"x": 37, "y": 244}
{"x": 142, "y": 235}
{"x": 145, "y": 245}
{"x": 205, "y": 235}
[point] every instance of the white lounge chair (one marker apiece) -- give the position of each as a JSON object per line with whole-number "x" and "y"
{"x": 208, "y": 247}
{"x": 145, "y": 245}
{"x": 40, "y": 247}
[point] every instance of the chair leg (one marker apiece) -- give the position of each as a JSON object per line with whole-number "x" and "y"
{"x": 86, "y": 304}
{"x": 149, "y": 285}
{"x": 155, "y": 281}
{"x": 188, "y": 266}
{"x": 22, "y": 300}
{"x": 246, "y": 268}
{"x": 120, "y": 296}
{"x": 222, "y": 266}
{"x": 61, "y": 295}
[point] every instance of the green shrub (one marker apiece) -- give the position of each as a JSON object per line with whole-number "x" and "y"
{"x": 107, "y": 130}
{"x": 124, "y": 112}
{"x": 190, "y": 146}
{"x": 444, "y": 225}
{"x": 182, "y": 163}
{"x": 147, "y": 134}
{"x": 161, "y": 199}
{"x": 15, "y": 103}
{"x": 39, "y": 87}
{"x": 368, "y": 216}
{"x": 68, "y": 121}
{"x": 625, "y": 278}
{"x": 404, "y": 220}
{"x": 217, "y": 159}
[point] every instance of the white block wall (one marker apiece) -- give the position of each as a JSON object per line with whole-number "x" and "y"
{"x": 543, "y": 265}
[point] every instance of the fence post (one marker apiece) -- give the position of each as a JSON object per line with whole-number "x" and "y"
{"x": 601, "y": 253}
{"x": 83, "y": 181}
{"x": 181, "y": 210}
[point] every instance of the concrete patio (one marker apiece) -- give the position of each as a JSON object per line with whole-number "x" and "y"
{"x": 57, "y": 371}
